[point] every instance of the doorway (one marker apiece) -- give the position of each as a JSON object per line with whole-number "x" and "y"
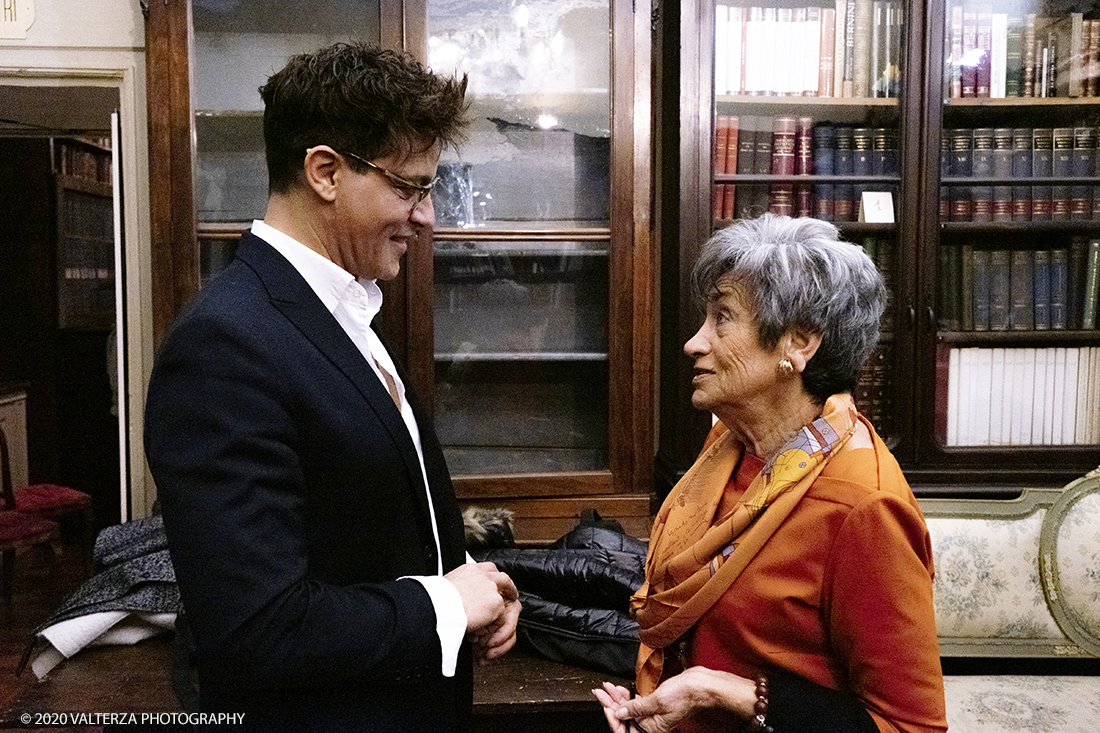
{"x": 58, "y": 310}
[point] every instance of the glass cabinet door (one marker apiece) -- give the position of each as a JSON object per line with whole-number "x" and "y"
{"x": 808, "y": 122}
{"x": 1017, "y": 345}
{"x": 238, "y": 44}
{"x": 522, "y": 239}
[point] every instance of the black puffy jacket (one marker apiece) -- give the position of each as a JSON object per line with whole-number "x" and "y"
{"x": 576, "y": 595}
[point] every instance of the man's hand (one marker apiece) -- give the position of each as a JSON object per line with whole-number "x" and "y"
{"x": 491, "y": 602}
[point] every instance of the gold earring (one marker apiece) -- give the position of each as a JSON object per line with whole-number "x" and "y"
{"x": 786, "y": 368}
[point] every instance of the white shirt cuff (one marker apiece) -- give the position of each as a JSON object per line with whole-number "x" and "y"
{"x": 450, "y": 618}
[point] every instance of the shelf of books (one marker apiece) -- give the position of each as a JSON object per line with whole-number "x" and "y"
{"x": 1018, "y": 281}
{"x": 807, "y": 123}
{"x": 806, "y": 107}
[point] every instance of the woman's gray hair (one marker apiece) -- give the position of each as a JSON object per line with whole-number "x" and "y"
{"x": 798, "y": 274}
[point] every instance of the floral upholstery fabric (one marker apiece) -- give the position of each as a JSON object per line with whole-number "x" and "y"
{"x": 1020, "y": 578}
{"x": 987, "y": 579}
{"x": 1077, "y": 561}
{"x": 1022, "y": 703}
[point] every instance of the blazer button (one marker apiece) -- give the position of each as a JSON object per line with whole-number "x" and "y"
{"x": 429, "y": 553}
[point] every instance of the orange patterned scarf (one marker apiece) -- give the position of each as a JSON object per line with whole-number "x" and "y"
{"x": 692, "y": 561}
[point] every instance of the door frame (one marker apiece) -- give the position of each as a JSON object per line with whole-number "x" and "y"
{"x": 123, "y": 70}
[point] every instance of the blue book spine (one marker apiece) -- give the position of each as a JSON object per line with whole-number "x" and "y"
{"x": 982, "y": 282}
{"x": 1059, "y": 278}
{"x": 862, "y": 151}
{"x": 844, "y": 165}
{"x": 1000, "y": 293}
{"x": 1021, "y": 308}
{"x": 1084, "y": 166}
{"x": 1041, "y": 283}
{"x": 824, "y": 164}
{"x": 1021, "y": 168}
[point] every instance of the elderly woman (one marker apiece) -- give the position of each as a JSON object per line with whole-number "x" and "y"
{"x": 789, "y": 578}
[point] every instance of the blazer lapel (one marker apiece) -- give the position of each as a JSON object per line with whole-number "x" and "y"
{"x": 293, "y": 297}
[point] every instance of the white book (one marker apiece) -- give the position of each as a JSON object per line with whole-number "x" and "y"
{"x": 1084, "y": 419}
{"x": 1007, "y": 398}
{"x": 998, "y": 56}
{"x": 966, "y": 395}
{"x": 998, "y": 416}
{"x": 772, "y": 73}
{"x": 1095, "y": 382}
{"x": 838, "y": 45}
{"x": 793, "y": 36}
{"x": 953, "y": 392}
{"x": 1008, "y": 433}
{"x": 1069, "y": 405}
{"x": 982, "y": 388}
{"x": 787, "y": 59}
{"x": 1047, "y": 384}
{"x": 1085, "y": 372}
{"x": 1014, "y": 378}
{"x": 1041, "y": 76}
{"x": 721, "y": 49}
{"x": 1058, "y": 398}
{"x": 736, "y": 43}
{"x": 1028, "y": 393}
{"x": 1040, "y": 435}
{"x": 754, "y": 51}
{"x": 812, "y": 61}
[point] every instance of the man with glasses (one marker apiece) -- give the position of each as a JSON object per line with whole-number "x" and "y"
{"x": 311, "y": 520}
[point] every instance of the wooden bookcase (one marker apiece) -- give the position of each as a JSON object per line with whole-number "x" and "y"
{"x": 550, "y": 422}
{"x": 931, "y": 409}
{"x": 57, "y": 311}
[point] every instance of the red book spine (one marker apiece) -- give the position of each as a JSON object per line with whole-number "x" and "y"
{"x": 732, "y": 143}
{"x": 783, "y": 146}
{"x": 784, "y": 140}
{"x": 727, "y": 201}
{"x": 721, "y": 143}
{"x": 803, "y": 166}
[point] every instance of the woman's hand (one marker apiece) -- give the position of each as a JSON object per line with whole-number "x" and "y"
{"x": 693, "y": 691}
{"x": 613, "y": 698}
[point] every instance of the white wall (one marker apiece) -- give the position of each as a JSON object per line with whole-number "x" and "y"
{"x": 85, "y": 23}
{"x": 101, "y": 43}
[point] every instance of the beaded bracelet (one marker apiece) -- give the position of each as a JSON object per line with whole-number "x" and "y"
{"x": 760, "y": 707}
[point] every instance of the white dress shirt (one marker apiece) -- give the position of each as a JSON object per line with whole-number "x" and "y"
{"x": 354, "y": 303}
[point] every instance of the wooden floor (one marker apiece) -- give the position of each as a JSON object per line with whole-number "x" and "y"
{"x": 42, "y": 581}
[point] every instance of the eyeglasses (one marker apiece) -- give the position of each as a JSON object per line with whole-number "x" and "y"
{"x": 404, "y": 187}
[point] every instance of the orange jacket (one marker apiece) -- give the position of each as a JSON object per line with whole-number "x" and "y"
{"x": 841, "y": 595}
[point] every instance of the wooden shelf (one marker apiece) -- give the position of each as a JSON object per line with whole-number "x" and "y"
{"x": 1049, "y": 338}
{"x": 1023, "y": 102}
{"x": 993, "y": 227}
{"x": 804, "y": 178}
{"x": 782, "y": 101}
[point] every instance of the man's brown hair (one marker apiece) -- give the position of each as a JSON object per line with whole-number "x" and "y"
{"x": 358, "y": 98}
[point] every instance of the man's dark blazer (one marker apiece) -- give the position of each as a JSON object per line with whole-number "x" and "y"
{"x": 293, "y": 501}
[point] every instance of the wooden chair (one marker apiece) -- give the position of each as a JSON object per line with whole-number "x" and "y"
{"x": 50, "y": 501}
{"x": 18, "y": 531}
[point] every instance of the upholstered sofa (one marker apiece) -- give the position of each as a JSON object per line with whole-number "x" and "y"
{"x": 1020, "y": 579}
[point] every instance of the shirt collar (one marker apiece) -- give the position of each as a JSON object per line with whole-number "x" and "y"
{"x": 332, "y": 283}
